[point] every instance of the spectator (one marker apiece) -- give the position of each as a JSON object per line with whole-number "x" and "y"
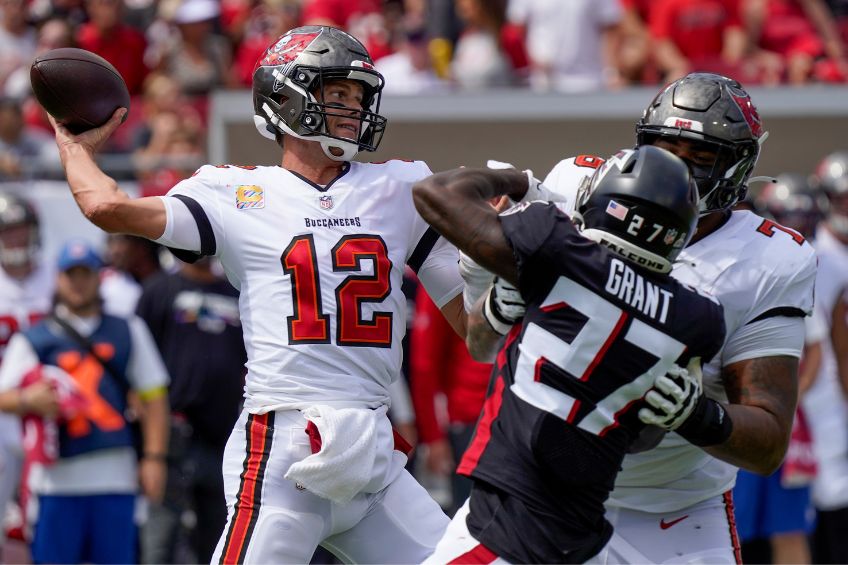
{"x": 71, "y": 11}
{"x": 116, "y": 42}
{"x": 839, "y": 9}
{"x": 569, "y": 43}
{"x": 193, "y": 316}
{"x": 689, "y": 35}
{"x": 801, "y": 32}
{"x": 24, "y": 152}
{"x": 52, "y": 34}
{"x": 17, "y": 38}
{"x": 198, "y": 59}
{"x": 173, "y": 153}
{"x": 441, "y": 364}
{"x": 363, "y": 19}
{"x": 479, "y": 60}
{"x": 26, "y": 288}
{"x": 409, "y": 69}
{"x": 86, "y": 497}
{"x": 269, "y": 20}
{"x": 633, "y": 50}
{"x": 132, "y": 261}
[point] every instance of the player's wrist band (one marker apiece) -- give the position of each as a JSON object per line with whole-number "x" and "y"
{"x": 493, "y": 316}
{"x": 709, "y": 424}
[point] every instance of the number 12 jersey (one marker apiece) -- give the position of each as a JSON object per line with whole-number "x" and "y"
{"x": 320, "y": 271}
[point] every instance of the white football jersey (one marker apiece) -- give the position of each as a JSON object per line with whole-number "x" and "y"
{"x": 758, "y": 270}
{"x": 320, "y": 272}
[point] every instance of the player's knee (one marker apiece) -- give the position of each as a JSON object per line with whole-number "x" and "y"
{"x": 279, "y": 536}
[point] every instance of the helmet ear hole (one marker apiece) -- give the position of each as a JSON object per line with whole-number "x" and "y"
{"x": 312, "y": 121}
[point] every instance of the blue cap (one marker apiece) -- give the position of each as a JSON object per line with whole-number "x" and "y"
{"x": 78, "y": 253}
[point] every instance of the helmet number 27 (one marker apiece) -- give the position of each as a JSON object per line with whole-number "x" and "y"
{"x": 310, "y": 324}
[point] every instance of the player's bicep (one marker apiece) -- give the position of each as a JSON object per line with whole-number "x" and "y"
{"x": 769, "y": 383}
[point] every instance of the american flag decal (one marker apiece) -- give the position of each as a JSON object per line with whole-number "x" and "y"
{"x": 617, "y": 210}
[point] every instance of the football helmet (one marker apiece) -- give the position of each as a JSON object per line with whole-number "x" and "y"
{"x": 642, "y": 203}
{"x": 792, "y": 202}
{"x": 288, "y": 89}
{"x": 831, "y": 177}
{"x": 18, "y": 248}
{"x": 715, "y": 112}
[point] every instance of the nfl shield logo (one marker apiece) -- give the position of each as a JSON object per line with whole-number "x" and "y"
{"x": 326, "y": 202}
{"x": 670, "y": 236}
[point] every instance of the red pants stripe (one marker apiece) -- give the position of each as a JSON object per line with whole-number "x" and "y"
{"x": 260, "y": 432}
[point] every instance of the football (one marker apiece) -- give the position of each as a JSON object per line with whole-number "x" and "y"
{"x": 78, "y": 88}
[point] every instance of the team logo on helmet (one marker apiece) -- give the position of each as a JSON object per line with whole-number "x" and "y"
{"x": 286, "y": 50}
{"x": 748, "y": 110}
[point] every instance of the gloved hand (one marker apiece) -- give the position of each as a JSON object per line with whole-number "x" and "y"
{"x": 673, "y": 397}
{"x": 677, "y": 403}
{"x": 503, "y": 307}
{"x": 476, "y": 278}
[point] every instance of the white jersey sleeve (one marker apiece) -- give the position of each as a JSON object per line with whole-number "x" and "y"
{"x": 434, "y": 259}
{"x": 145, "y": 368}
{"x": 194, "y": 218}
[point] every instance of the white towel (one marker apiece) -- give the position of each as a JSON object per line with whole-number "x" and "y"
{"x": 349, "y": 448}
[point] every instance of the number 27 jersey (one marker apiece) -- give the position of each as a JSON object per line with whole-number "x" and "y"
{"x": 320, "y": 271}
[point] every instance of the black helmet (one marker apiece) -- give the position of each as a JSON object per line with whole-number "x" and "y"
{"x": 14, "y": 212}
{"x": 716, "y": 112}
{"x": 831, "y": 177}
{"x": 293, "y": 70}
{"x": 643, "y": 204}
{"x": 792, "y": 202}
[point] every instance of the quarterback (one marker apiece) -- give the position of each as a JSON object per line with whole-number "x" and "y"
{"x": 317, "y": 247}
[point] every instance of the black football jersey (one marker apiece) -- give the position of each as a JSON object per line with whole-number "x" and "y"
{"x": 566, "y": 387}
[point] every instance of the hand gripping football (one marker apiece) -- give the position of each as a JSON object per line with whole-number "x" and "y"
{"x": 78, "y": 88}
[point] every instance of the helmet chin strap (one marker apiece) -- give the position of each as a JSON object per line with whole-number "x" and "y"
{"x": 348, "y": 150}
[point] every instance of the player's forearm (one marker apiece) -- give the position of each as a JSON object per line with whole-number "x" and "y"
{"x": 758, "y": 442}
{"x": 154, "y": 425}
{"x": 94, "y": 191}
{"x": 103, "y": 203}
{"x": 482, "y": 341}
{"x": 763, "y": 394}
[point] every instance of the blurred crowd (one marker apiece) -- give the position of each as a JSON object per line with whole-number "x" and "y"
{"x": 173, "y": 53}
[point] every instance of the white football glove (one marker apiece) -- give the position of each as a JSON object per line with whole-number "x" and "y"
{"x": 535, "y": 189}
{"x": 673, "y": 397}
{"x": 476, "y": 278}
{"x": 504, "y": 306}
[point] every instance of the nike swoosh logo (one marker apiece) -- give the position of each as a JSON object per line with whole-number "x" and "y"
{"x": 666, "y": 525}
